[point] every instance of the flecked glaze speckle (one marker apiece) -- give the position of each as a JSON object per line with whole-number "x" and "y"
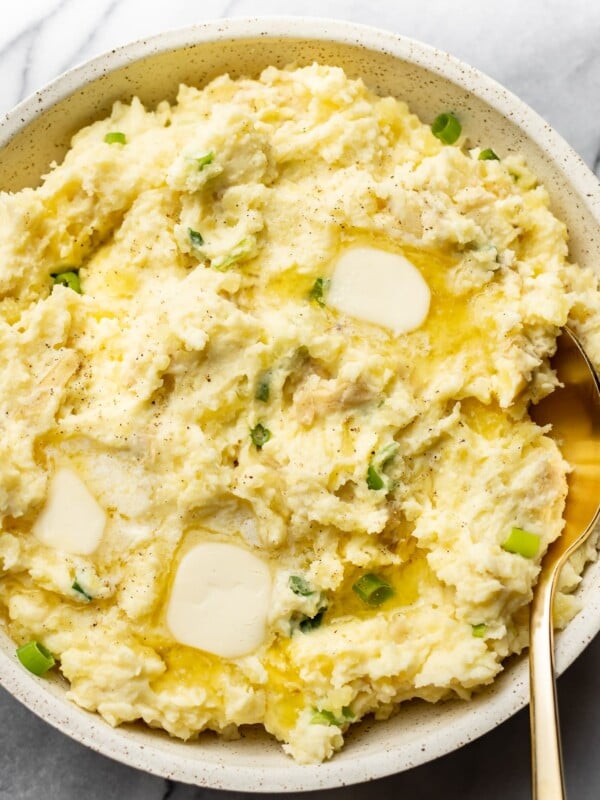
{"x": 38, "y": 131}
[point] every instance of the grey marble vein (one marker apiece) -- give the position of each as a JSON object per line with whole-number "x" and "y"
{"x": 596, "y": 162}
{"x": 87, "y": 43}
{"x": 170, "y": 789}
{"x": 25, "y": 40}
{"x": 34, "y": 26}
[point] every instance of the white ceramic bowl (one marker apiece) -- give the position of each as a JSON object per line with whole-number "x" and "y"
{"x": 38, "y": 131}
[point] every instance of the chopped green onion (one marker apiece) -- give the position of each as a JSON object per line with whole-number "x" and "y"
{"x": 488, "y": 155}
{"x": 196, "y": 238}
{"x": 69, "y": 278}
{"x": 479, "y": 630}
{"x": 323, "y": 717}
{"x": 372, "y": 589}
{"x": 523, "y": 543}
{"x": 310, "y": 623}
{"x": 380, "y": 460}
{"x": 300, "y": 586}
{"x": 318, "y": 291}
{"x": 205, "y": 160}
{"x": 77, "y": 588}
{"x": 446, "y": 128}
{"x": 35, "y": 657}
{"x": 115, "y": 137}
{"x": 383, "y": 457}
{"x": 263, "y": 388}
{"x": 243, "y": 249}
{"x": 260, "y": 435}
{"x": 374, "y": 479}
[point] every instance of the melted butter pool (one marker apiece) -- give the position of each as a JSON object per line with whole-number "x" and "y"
{"x": 406, "y": 579}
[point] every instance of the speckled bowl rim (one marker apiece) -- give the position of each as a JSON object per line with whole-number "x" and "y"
{"x": 48, "y": 701}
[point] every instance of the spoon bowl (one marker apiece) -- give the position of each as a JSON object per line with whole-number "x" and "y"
{"x": 573, "y": 411}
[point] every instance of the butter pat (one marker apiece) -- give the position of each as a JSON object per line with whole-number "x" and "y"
{"x": 380, "y": 287}
{"x": 71, "y": 520}
{"x": 220, "y": 600}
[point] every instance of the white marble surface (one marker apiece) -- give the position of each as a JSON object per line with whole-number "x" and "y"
{"x": 547, "y": 52}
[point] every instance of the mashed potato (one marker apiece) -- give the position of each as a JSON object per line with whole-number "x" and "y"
{"x": 190, "y": 384}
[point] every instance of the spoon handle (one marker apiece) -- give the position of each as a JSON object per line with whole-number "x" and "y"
{"x": 546, "y": 755}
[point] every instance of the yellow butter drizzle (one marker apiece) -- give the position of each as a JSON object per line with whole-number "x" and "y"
{"x": 405, "y": 579}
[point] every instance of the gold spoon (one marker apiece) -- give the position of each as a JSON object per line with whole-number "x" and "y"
{"x": 573, "y": 410}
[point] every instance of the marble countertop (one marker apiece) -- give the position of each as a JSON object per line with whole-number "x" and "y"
{"x": 546, "y": 51}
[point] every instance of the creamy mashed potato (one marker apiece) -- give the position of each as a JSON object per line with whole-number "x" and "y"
{"x": 229, "y": 498}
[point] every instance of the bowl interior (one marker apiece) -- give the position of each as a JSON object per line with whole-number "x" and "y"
{"x": 38, "y": 132}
